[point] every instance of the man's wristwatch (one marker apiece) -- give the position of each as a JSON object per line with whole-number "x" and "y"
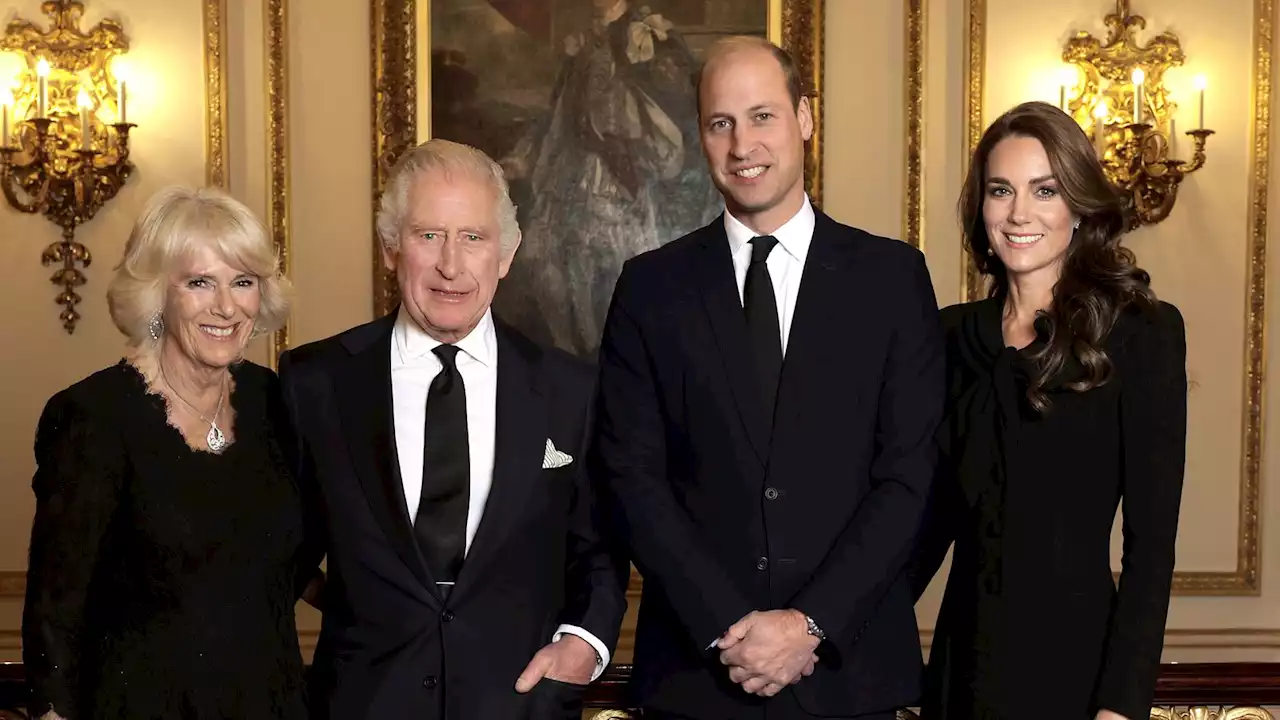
{"x": 813, "y": 629}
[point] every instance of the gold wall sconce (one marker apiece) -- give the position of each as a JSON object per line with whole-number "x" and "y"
{"x": 1117, "y": 94}
{"x": 64, "y": 132}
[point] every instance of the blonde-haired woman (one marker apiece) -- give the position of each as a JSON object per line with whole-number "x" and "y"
{"x": 162, "y": 576}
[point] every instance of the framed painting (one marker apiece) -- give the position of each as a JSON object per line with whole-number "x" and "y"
{"x": 589, "y": 106}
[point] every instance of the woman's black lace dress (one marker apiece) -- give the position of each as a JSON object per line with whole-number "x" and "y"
{"x": 162, "y": 579}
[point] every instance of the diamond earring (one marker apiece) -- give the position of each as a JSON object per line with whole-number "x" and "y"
{"x": 156, "y": 326}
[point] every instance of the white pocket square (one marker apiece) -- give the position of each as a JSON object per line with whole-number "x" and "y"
{"x": 553, "y": 458}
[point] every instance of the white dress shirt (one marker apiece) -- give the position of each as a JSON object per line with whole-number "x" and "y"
{"x": 785, "y": 263}
{"x": 413, "y": 367}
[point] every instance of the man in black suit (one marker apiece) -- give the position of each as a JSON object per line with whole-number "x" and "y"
{"x": 444, "y": 453}
{"x": 770, "y": 504}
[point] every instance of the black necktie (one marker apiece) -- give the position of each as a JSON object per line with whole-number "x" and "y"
{"x": 762, "y": 321}
{"x": 441, "y": 524}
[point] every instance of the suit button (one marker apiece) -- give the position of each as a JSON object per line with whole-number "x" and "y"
{"x": 771, "y": 493}
{"x": 447, "y": 616}
{"x": 762, "y": 563}
{"x": 430, "y": 682}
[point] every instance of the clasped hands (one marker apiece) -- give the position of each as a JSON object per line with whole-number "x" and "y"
{"x": 768, "y": 650}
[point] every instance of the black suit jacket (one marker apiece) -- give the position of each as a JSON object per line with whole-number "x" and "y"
{"x": 724, "y": 513}
{"x": 389, "y": 646}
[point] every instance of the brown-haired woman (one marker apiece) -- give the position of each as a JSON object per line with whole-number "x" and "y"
{"x": 1066, "y": 393}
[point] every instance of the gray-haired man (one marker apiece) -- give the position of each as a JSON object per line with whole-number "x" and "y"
{"x": 467, "y": 574}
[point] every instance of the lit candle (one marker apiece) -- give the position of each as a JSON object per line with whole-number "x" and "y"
{"x": 1100, "y": 113}
{"x": 1067, "y": 79}
{"x": 6, "y": 99}
{"x": 1200, "y": 85}
{"x": 42, "y": 87}
{"x": 86, "y": 131}
{"x": 1138, "y": 77}
{"x": 120, "y": 69}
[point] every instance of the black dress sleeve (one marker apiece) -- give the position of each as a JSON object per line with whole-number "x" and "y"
{"x": 1153, "y": 417}
{"x": 80, "y": 466}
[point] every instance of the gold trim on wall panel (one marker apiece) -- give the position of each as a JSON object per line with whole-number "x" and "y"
{"x": 916, "y": 41}
{"x": 217, "y": 151}
{"x": 802, "y": 36}
{"x": 971, "y": 283}
{"x": 1244, "y": 579}
{"x": 277, "y": 34}
{"x": 394, "y": 64}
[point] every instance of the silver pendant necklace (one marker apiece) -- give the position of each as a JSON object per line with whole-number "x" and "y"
{"x": 216, "y": 440}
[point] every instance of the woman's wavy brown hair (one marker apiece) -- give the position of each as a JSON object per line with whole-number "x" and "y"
{"x": 1099, "y": 277}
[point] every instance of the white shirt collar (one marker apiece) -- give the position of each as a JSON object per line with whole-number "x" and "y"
{"x": 794, "y": 236}
{"x": 412, "y": 342}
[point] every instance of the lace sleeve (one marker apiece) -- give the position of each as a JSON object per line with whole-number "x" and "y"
{"x": 79, "y": 466}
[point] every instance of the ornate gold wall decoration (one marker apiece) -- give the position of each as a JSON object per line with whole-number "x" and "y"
{"x": 63, "y": 160}
{"x": 215, "y": 73}
{"x": 917, "y": 19}
{"x": 1244, "y": 579}
{"x": 395, "y": 85}
{"x": 277, "y": 22}
{"x": 1203, "y": 712}
{"x": 972, "y": 285}
{"x": 1123, "y": 104}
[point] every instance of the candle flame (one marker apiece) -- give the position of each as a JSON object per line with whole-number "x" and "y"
{"x": 6, "y": 97}
{"x": 82, "y": 99}
{"x": 42, "y": 68}
{"x": 1139, "y": 76}
{"x": 1201, "y": 82}
{"x": 1100, "y": 110}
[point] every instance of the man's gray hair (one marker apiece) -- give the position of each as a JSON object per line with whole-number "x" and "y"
{"x": 449, "y": 157}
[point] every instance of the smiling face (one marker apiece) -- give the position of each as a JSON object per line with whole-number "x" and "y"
{"x": 449, "y": 257}
{"x": 210, "y": 308}
{"x": 1028, "y": 222}
{"x": 753, "y": 137}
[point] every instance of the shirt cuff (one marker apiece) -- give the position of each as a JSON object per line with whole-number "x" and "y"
{"x": 602, "y": 652}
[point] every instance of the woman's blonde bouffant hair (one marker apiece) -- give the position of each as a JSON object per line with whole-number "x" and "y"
{"x": 175, "y": 221}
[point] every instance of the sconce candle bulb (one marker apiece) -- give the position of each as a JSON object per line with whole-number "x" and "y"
{"x": 86, "y": 128}
{"x": 42, "y": 87}
{"x": 1200, "y": 86}
{"x": 6, "y": 101}
{"x": 1138, "y": 77}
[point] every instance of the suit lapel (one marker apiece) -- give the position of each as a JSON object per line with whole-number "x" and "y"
{"x": 363, "y": 390}
{"x": 823, "y": 284}
{"x": 521, "y": 433}
{"x": 719, "y": 288}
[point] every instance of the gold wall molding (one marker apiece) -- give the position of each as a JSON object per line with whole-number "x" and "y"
{"x": 278, "y": 196}
{"x": 917, "y": 19}
{"x": 971, "y": 282}
{"x": 799, "y": 29}
{"x": 217, "y": 151}
{"x": 1244, "y": 580}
